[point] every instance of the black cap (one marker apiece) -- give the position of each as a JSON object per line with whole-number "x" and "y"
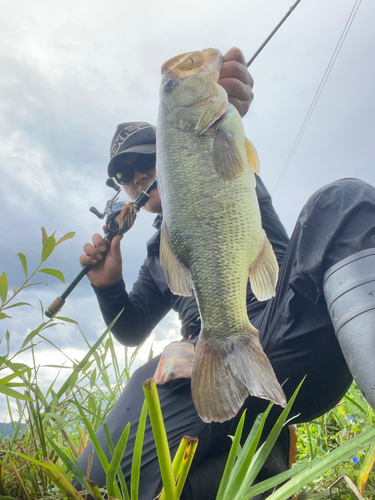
{"x": 131, "y": 137}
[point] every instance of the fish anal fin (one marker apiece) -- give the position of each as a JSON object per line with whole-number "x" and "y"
{"x": 226, "y": 157}
{"x": 252, "y": 156}
{"x": 223, "y": 378}
{"x": 264, "y": 272}
{"x": 177, "y": 275}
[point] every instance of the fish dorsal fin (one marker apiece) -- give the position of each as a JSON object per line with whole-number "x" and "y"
{"x": 252, "y": 156}
{"x": 227, "y": 159}
{"x": 177, "y": 275}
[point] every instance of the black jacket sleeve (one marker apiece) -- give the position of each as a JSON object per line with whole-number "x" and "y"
{"x": 271, "y": 223}
{"x": 143, "y": 307}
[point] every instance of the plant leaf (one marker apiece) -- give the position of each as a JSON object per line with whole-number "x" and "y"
{"x": 53, "y": 272}
{"x": 321, "y": 465}
{"x": 68, "y": 320}
{"x": 44, "y": 235}
{"x": 17, "y": 305}
{"x": 35, "y": 284}
{"x": 3, "y": 316}
{"x": 33, "y": 333}
{"x": 137, "y": 453}
{"x": 73, "y": 468}
{"x": 13, "y": 394}
{"x": 23, "y": 260}
{"x": 67, "y": 236}
{"x": 48, "y": 247}
{"x": 5, "y": 380}
{"x": 3, "y": 287}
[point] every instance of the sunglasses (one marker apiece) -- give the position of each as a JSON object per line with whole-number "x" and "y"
{"x": 142, "y": 163}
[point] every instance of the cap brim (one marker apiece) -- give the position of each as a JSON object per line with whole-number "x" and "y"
{"x": 145, "y": 149}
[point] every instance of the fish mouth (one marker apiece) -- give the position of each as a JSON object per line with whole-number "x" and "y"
{"x": 192, "y": 63}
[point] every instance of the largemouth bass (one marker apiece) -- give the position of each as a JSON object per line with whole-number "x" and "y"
{"x": 211, "y": 237}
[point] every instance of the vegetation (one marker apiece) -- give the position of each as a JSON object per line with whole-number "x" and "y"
{"x": 38, "y": 460}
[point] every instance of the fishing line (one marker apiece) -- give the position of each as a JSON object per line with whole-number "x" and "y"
{"x": 331, "y": 63}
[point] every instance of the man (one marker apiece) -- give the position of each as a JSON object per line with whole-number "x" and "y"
{"x": 328, "y": 260}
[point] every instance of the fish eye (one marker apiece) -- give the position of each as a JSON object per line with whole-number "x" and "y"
{"x": 168, "y": 85}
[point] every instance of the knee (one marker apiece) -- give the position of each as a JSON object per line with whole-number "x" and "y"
{"x": 340, "y": 197}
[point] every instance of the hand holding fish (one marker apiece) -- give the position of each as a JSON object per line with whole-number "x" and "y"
{"x": 236, "y": 80}
{"x": 107, "y": 263}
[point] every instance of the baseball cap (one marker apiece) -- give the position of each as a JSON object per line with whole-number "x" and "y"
{"x": 131, "y": 137}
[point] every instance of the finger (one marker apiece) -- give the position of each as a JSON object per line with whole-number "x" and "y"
{"x": 237, "y": 89}
{"x": 234, "y": 54}
{"x": 239, "y": 95}
{"x": 87, "y": 260}
{"x": 99, "y": 243}
{"x": 241, "y": 106}
{"x": 236, "y": 70}
{"x": 92, "y": 252}
{"x": 115, "y": 249}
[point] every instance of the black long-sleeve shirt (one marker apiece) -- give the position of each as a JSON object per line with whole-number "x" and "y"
{"x": 150, "y": 299}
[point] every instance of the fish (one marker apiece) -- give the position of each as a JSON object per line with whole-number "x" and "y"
{"x": 212, "y": 240}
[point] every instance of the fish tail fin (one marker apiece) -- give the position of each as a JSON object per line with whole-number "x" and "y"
{"x": 264, "y": 273}
{"x": 224, "y": 375}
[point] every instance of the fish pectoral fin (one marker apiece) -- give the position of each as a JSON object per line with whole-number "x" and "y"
{"x": 264, "y": 273}
{"x": 222, "y": 379}
{"x": 226, "y": 156}
{"x": 252, "y": 156}
{"x": 177, "y": 275}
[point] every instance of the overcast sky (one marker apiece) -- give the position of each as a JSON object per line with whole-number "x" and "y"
{"x": 72, "y": 70}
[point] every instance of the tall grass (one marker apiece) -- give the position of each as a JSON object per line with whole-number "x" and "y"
{"x": 39, "y": 460}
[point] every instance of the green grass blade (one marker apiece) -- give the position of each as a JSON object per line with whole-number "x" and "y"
{"x": 231, "y": 458}
{"x": 365, "y": 469}
{"x": 137, "y": 454}
{"x": 321, "y": 465}
{"x": 112, "y": 487}
{"x": 266, "y": 485}
{"x": 111, "y": 447}
{"x": 177, "y": 463}
{"x": 98, "y": 449}
{"x": 82, "y": 363}
{"x": 61, "y": 481}
{"x": 262, "y": 454}
{"x": 188, "y": 456}
{"x": 94, "y": 490}
{"x": 160, "y": 436}
{"x": 245, "y": 457}
{"x": 71, "y": 466}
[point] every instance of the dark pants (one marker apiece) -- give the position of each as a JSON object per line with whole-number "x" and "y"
{"x": 295, "y": 331}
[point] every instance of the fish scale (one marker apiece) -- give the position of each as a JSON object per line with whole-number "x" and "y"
{"x": 211, "y": 235}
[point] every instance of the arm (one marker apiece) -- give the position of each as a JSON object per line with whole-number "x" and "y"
{"x": 143, "y": 308}
{"x": 271, "y": 223}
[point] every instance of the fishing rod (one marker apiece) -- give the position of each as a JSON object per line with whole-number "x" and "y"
{"x": 120, "y": 218}
{"x": 272, "y": 33}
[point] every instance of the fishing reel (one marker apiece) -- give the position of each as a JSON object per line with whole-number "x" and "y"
{"x": 120, "y": 215}
{"x": 112, "y": 211}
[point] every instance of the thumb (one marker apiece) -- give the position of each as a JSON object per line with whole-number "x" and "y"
{"x": 115, "y": 248}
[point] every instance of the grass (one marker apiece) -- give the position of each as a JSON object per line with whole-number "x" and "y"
{"x": 335, "y": 452}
